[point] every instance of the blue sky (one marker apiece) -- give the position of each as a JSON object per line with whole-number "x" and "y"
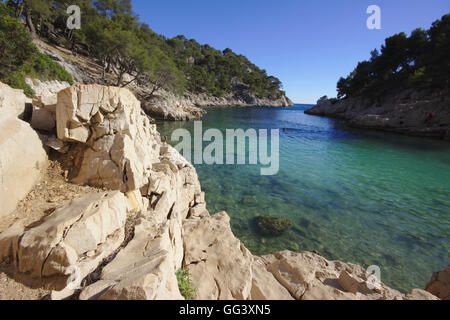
{"x": 307, "y": 44}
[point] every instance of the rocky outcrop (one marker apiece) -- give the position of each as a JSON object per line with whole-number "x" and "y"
{"x": 219, "y": 263}
{"x": 129, "y": 243}
{"x": 406, "y": 113}
{"x": 22, "y": 156}
{"x": 167, "y": 106}
{"x": 233, "y": 100}
{"x": 44, "y": 103}
{"x": 144, "y": 269}
{"x": 309, "y": 276}
{"x": 12, "y": 101}
{"x": 116, "y": 143}
{"x": 222, "y": 268}
{"x": 70, "y": 243}
{"x": 439, "y": 284}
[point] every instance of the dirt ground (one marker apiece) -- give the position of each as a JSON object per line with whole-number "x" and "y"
{"x": 51, "y": 193}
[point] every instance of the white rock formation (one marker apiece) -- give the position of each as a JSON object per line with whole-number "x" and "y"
{"x": 69, "y": 244}
{"x": 12, "y": 101}
{"x": 22, "y": 156}
{"x": 143, "y": 270}
{"x": 119, "y": 145}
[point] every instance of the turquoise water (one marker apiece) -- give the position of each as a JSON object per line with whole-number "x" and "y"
{"x": 370, "y": 198}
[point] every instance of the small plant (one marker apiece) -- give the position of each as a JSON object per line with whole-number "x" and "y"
{"x": 184, "y": 284}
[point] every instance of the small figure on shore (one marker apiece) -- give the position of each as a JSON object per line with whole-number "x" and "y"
{"x": 429, "y": 119}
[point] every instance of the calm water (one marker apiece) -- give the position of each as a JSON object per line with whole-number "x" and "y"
{"x": 365, "y": 197}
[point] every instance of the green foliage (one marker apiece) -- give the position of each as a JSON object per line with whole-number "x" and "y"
{"x": 420, "y": 61}
{"x": 184, "y": 284}
{"x": 19, "y": 57}
{"x": 113, "y": 34}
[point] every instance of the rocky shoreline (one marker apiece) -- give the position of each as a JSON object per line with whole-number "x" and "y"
{"x": 163, "y": 105}
{"x": 405, "y": 112}
{"x": 136, "y": 215}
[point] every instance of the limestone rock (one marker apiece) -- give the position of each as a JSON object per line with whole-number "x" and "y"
{"x": 143, "y": 270}
{"x": 119, "y": 143}
{"x": 12, "y": 101}
{"x": 309, "y": 276}
{"x": 219, "y": 264}
{"x": 417, "y": 294}
{"x": 22, "y": 159}
{"x": 439, "y": 284}
{"x": 47, "y": 91}
{"x": 264, "y": 284}
{"x": 70, "y": 243}
{"x": 402, "y": 112}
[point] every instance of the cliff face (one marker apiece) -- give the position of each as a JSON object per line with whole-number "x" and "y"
{"x": 163, "y": 105}
{"x": 126, "y": 211}
{"x": 406, "y": 113}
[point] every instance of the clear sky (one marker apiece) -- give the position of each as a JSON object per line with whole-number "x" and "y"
{"x": 307, "y": 44}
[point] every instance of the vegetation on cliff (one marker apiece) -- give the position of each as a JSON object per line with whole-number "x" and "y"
{"x": 420, "y": 61}
{"x": 112, "y": 34}
{"x": 20, "y": 58}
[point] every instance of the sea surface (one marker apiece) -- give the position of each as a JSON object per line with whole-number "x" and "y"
{"x": 366, "y": 197}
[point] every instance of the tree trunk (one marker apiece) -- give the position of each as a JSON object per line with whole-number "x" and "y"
{"x": 30, "y": 23}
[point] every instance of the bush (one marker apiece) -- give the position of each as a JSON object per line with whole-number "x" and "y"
{"x": 184, "y": 284}
{"x": 19, "y": 58}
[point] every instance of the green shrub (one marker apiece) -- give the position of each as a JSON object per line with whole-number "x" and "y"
{"x": 184, "y": 284}
{"x": 19, "y": 58}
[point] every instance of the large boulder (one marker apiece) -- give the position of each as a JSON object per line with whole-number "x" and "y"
{"x": 12, "y": 101}
{"x": 118, "y": 145}
{"x": 63, "y": 248}
{"x": 144, "y": 269}
{"x": 22, "y": 160}
{"x": 264, "y": 284}
{"x": 44, "y": 103}
{"x": 219, "y": 264}
{"x": 439, "y": 284}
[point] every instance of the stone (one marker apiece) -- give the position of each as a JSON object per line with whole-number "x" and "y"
{"x": 43, "y": 119}
{"x": 143, "y": 270}
{"x": 46, "y": 91}
{"x": 271, "y": 226}
{"x": 417, "y": 294}
{"x": 308, "y": 276}
{"x": 12, "y": 101}
{"x": 22, "y": 161}
{"x": 198, "y": 211}
{"x": 56, "y": 249}
{"x": 439, "y": 284}
{"x": 136, "y": 203}
{"x": 119, "y": 145}
{"x": 219, "y": 264}
{"x": 264, "y": 284}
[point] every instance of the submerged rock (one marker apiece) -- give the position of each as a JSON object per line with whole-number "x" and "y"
{"x": 271, "y": 226}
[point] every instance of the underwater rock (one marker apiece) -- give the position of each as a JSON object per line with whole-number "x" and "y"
{"x": 271, "y": 226}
